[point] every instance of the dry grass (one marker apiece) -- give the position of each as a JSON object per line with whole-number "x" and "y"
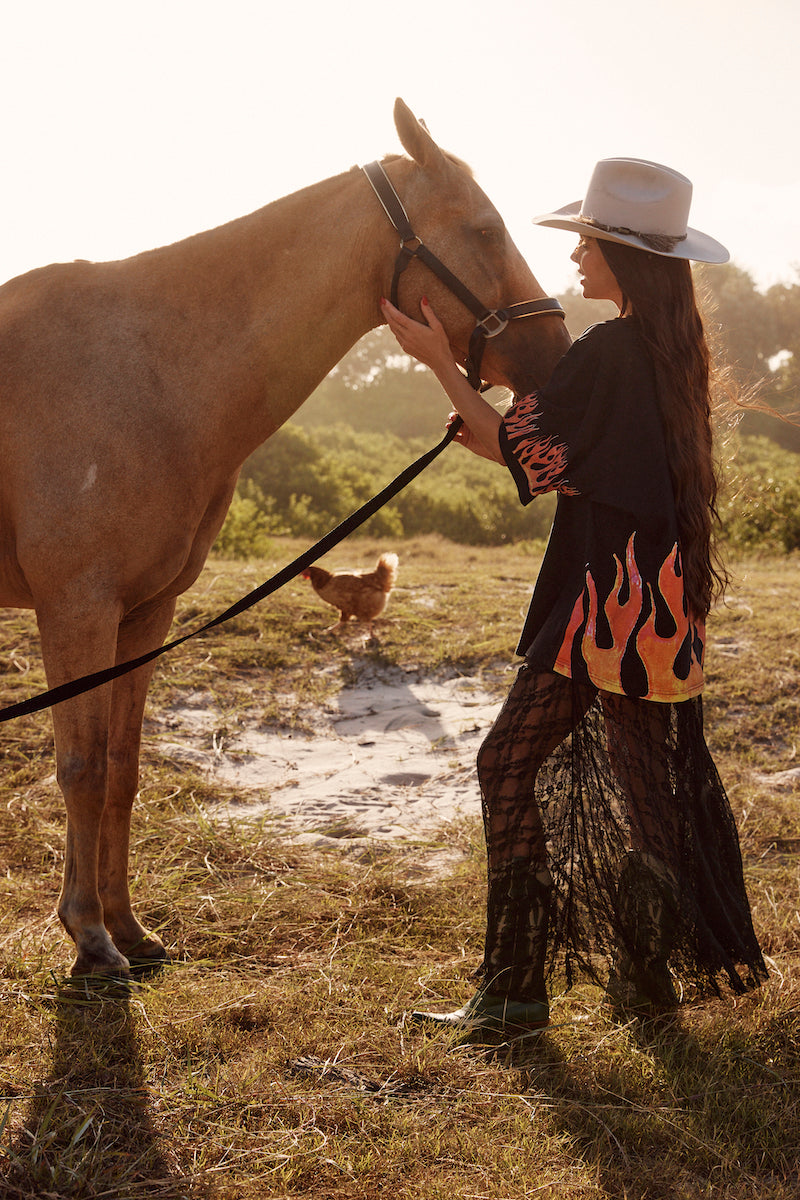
{"x": 273, "y": 1058}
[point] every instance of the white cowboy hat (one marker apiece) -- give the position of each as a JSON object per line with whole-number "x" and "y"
{"x": 638, "y": 203}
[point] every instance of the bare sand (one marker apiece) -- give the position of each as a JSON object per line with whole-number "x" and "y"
{"x": 392, "y": 758}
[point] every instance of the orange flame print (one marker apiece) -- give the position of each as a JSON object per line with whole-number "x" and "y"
{"x": 657, "y": 654}
{"x": 543, "y": 459}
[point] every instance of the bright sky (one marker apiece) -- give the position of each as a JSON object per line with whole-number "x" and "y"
{"x": 129, "y": 125}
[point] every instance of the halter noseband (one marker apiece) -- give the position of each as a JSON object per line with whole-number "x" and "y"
{"x": 490, "y": 321}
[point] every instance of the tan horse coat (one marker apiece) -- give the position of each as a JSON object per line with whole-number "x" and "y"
{"x": 130, "y": 394}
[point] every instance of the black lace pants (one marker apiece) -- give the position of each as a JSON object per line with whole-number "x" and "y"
{"x": 573, "y": 779}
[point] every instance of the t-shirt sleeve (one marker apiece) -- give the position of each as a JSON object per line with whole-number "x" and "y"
{"x": 594, "y": 429}
{"x": 538, "y": 460}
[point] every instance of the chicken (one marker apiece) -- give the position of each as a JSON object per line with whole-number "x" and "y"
{"x": 361, "y": 595}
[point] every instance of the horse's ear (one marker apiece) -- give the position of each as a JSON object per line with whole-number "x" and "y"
{"x": 415, "y": 138}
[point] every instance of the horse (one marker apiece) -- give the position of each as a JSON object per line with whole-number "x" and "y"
{"x": 132, "y": 391}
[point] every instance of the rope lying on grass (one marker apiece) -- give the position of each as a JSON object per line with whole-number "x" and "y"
{"x": 76, "y": 687}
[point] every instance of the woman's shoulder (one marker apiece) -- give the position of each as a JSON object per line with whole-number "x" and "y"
{"x": 609, "y": 335}
{"x": 608, "y": 351}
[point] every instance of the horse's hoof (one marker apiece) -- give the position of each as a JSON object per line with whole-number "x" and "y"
{"x": 142, "y": 968}
{"x": 146, "y": 955}
{"x": 100, "y": 967}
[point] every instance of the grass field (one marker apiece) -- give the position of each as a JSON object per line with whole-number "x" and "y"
{"x": 273, "y": 1057}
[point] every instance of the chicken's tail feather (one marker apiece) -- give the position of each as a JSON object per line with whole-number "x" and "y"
{"x": 386, "y": 571}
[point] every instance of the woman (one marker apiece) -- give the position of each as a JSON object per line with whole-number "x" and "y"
{"x": 609, "y": 835}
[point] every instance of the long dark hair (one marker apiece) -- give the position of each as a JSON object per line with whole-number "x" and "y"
{"x": 660, "y": 292}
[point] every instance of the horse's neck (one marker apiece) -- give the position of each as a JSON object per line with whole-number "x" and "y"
{"x": 269, "y": 303}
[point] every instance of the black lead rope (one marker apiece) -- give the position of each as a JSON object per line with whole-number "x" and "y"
{"x": 67, "y": 691}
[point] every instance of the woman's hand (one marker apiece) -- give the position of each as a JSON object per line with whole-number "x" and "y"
{"x": 427, "y": 342}
{"x": 466, "y": 438}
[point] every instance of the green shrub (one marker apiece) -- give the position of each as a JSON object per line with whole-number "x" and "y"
{"x": 249, "y": 525}
{"x": 305, "y": 482}
{"x": 761, "y": 500}
{"x": 312, "y": 480}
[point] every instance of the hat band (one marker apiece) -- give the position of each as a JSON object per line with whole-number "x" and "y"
{"x": 662, "y": 243}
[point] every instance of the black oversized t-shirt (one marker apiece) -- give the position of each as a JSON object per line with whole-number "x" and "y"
{"x": 609, "y": 605}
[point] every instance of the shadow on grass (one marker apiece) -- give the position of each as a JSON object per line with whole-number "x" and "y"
{"x": 674, "y": 1114}
{"x": 89, "y": 1130}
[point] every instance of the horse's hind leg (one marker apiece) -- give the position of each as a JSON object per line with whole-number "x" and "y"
{"x": 72, "y": 648}
{"x": 136, "y": 636}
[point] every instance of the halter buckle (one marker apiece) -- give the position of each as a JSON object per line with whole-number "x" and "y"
{"x": 493, "y": 323}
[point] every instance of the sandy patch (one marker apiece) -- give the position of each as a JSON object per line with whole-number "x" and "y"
{"x": 781, "y": 781}
{"x": 393, "y": 758}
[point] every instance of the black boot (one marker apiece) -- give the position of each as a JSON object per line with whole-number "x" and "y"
{"x": 640, "y": 980}
{"x": 513, "y": 995}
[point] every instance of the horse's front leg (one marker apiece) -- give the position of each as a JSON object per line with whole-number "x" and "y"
{"x": 136, "y": 636}
{"x": 72, "y": 647}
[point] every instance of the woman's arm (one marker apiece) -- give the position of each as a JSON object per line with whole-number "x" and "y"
{"x": 466, "y": 438}
{"x": 428, "y": 343}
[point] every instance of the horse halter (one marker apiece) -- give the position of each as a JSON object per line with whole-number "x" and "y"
{"x": 490, "y": 321}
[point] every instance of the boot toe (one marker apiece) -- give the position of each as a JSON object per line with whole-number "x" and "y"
{"x": 491, "y": 1013}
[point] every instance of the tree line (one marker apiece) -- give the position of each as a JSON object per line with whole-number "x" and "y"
{"x": 377, "y": 410}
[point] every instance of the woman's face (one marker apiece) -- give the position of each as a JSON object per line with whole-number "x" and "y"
{"x": 596, "y": 277}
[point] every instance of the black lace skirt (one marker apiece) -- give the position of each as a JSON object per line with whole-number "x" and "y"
{"x": 578, "y": 779}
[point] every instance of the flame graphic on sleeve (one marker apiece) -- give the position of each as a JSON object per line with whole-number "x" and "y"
{"x": 658, "y": 655}
{"x": 543, "y": 459}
